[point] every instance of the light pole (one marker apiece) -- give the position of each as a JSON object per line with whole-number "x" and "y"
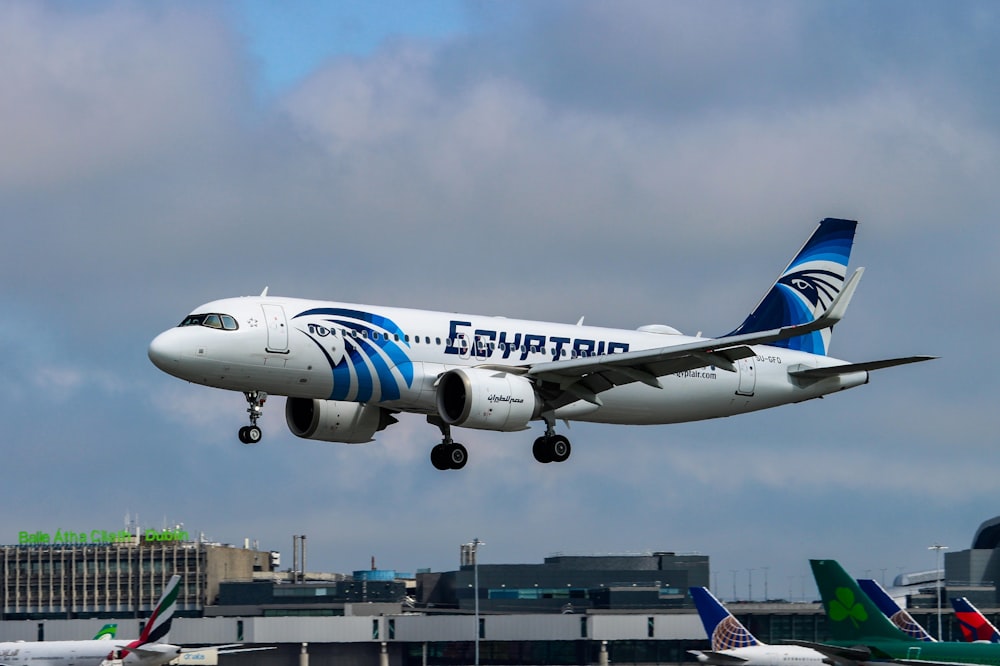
{"x": 938, "y": 547}
{"x": 474, "y": 549}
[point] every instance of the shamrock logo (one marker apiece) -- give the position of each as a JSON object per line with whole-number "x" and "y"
{"x": 846, "y": 607}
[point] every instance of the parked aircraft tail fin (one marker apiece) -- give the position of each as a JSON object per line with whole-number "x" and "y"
{"x": 853, "y": 617}
{"x": 898, "y": 616}
{"x": 724, "y": 631}
{"x": 106, "y": 633}
{"x": 158, "y": 625}
{"x": 974, "y": 625}
{"x": 807, "y": 287}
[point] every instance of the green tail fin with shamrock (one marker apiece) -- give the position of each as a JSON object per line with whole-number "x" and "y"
{"x": 852, "y": 616}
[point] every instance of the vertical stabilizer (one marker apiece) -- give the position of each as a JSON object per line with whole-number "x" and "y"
{"x": 853, "y": 617}
{"x": 158, "y": 625}
{"x": 807, "y": 287}
{"x": 898, "y": 616}
{"x": 724, "y": 631}
{"x": 974, "y": 625}
{"x": 106, "y": 633}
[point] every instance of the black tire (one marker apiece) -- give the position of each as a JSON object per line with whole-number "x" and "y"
{"x": 559, "y": 448}
{"x": 541, "y": 450}
{"x": 439, "y": 457}
{"x": 243, "y": 434}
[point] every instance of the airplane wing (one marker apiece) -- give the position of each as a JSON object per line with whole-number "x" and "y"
{"x": 836, "y": 654}
{"x": 861, "y": 654}
{"x": 584, "y": 378}
{"x": 153, "y": 649}
{"x": 717, "y": 658}
{"x": 229, "y": 648}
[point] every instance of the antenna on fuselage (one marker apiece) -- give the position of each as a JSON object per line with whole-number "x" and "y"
{"x": 264, "y": 293}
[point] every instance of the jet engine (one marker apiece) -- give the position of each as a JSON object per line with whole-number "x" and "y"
{"x": 335, "y": 421}
{"x": 486, "y": 399}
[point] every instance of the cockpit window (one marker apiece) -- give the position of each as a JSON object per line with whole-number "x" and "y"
{"x": 211, "y": 320}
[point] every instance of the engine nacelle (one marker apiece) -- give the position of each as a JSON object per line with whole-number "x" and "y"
{"x": 486, "y": 399}
{"x": 335, "y": 420}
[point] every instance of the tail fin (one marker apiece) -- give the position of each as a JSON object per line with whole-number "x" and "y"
{"x": 807, "y": 287}
{"x": 724, "y": 631}
{"x": 974, "y": 625}
{"x": 158, "y": 624}
{"x": 852, "y": 615}
{"x": 898, "y": 616}
{"x": 106, "y": 633}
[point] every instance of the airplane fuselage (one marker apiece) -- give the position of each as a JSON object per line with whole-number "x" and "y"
{"x": 393, "y": 357}
{"x": 765, "y": 655}
{"x": 77, "y": 653}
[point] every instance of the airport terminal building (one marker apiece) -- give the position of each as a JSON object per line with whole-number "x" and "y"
{"x": 569, "y": 609}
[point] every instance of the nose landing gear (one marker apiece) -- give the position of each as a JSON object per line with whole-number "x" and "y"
{"x": 251, "y": 434}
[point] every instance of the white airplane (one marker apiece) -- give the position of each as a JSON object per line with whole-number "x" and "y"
{"x": 346, "y": 369}
{"x": 143, "y": 651}
{"x": 732, "y": 644}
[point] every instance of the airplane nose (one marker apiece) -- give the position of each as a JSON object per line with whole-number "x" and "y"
{"x": 164, "y": 352}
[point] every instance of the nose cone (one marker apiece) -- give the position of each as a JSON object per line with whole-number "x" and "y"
{"x": 164, "y": 351}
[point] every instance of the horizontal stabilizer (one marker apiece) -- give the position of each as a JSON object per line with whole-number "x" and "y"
{"x": 847, "y": 368}
{"x": 837, "y": 653}
{"x": 717, "y": 658}
{"x": 229, "y": 648}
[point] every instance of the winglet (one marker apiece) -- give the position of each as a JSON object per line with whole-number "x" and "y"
{"x": 838, "y": 308}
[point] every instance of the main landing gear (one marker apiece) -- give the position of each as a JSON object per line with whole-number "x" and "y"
{"x": 448, "y": 454}
{"x": 251, "y": 434}
{"x": 551, "y": 447}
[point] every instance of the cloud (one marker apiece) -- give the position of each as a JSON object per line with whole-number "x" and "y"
{"x": 634, "y": 163}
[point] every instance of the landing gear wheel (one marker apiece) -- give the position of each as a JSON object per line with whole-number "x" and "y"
{"x": 255, "y": 399}
{"x": 439, "y": 457}
{"x": 541, "y": 450}
{"x": 559, "y": 448}
{"x": 451, "y": 455}
{"x": 457, "y": 456}
{"x": 250, "y": 434}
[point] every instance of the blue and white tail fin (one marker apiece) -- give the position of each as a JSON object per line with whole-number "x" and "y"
{"x": 724, "y": 631}
{"x": 899, "y": 616}
{"x": 807, "y": 287}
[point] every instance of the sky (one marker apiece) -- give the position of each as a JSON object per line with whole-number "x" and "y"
{"x": 632, "y": 162}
